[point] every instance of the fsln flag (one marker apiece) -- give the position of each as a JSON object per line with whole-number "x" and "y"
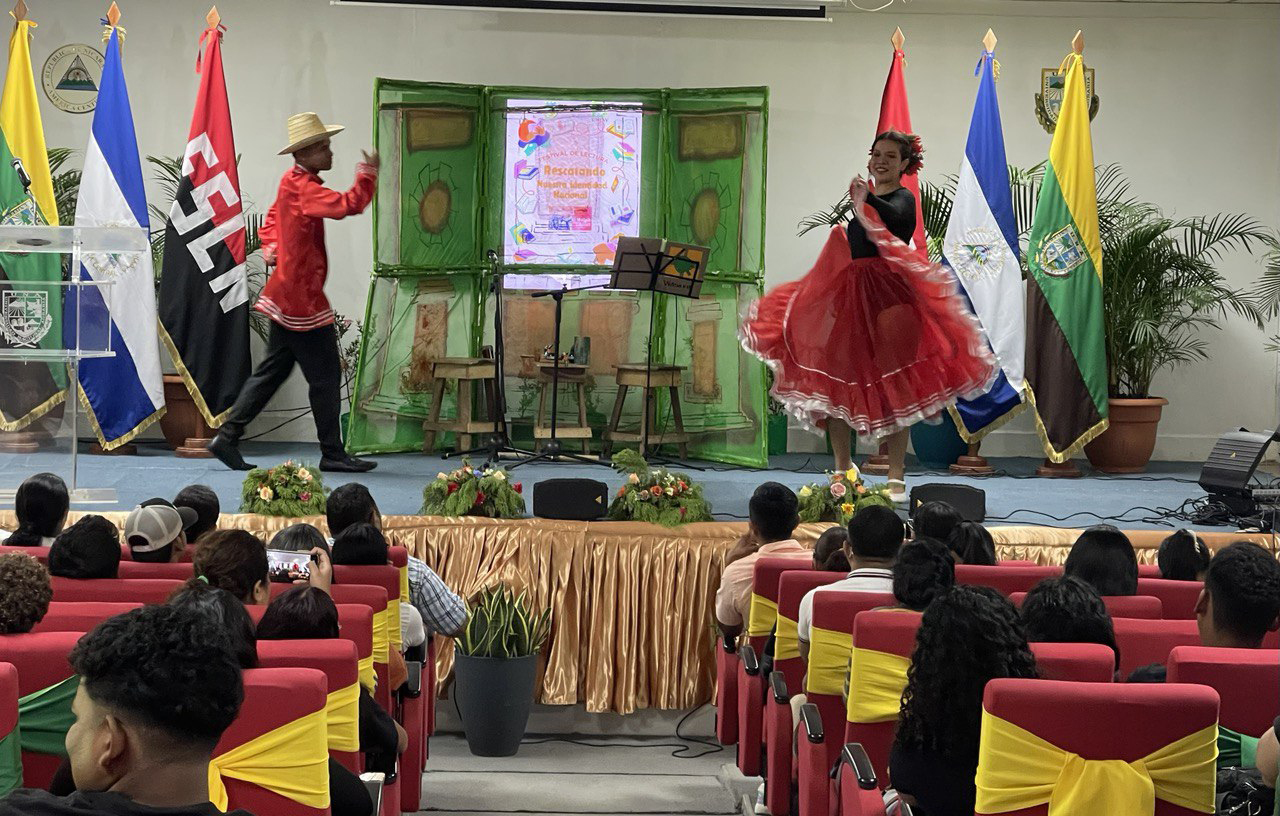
{"x": 1066, "y": 352}
{"x": 31, "y": 311}
{"x": 204, "y": 290}
{"x": 123, "y": 395}
{"x": 981, "y": 249}
{"x": 895, "y": 114}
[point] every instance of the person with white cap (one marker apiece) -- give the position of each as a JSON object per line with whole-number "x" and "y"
{"x": 302, "y": 321}
{"x": 156, "y": 530}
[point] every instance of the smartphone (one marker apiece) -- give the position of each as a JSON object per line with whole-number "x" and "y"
{"x": 287, "y": 566}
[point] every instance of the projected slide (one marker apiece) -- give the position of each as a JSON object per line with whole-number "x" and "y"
{"x": 572, "y": 183}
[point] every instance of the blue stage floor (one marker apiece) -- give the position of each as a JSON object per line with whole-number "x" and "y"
{"x": 1012, "y": 496}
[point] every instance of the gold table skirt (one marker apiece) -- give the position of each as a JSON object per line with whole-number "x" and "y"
{"x": 632, "y": 604}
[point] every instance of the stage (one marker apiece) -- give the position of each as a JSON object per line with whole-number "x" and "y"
{"x": 1013, "y": 496}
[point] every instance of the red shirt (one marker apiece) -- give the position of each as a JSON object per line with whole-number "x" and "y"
{"x": 294, "y": 229}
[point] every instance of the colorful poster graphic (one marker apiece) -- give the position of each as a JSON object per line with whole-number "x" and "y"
{"x": 572, "y": 181}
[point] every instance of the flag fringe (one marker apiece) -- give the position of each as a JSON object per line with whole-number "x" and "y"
{"x": 977, "y": 436}
{"x": 212, "y": 421}
{"x": 124, "y": 439}
{"x": 1056, "y": 456}
{"x": 40, "y": 410}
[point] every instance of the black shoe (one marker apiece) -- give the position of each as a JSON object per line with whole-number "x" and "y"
{"x": 347, "y": 464}
{"x": 228, "y": 454}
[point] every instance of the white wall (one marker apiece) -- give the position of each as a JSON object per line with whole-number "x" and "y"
{"x": 1189, "y": 108}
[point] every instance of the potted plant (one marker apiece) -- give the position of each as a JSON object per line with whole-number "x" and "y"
{"x": 495, "y": 666}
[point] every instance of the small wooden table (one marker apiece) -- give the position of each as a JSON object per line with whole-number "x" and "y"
{"x": 465, "y": 372}
{"x": 648, "y": 380}
{"x": 572, "y": 374}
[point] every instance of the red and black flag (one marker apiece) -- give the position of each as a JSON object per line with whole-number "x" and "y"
{"x": 204, "y": 288}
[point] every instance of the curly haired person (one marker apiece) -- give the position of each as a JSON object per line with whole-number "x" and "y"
{"x": 25, "y": 592}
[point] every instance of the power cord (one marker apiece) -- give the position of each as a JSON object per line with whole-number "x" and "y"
{"x": 683, "y": 750}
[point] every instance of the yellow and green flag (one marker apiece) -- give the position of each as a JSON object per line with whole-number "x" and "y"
{"x": 31, "y": 313}
{"x": 1066, "y": 351}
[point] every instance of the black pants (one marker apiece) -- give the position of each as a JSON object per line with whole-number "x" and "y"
{"x": 316, "y": 351}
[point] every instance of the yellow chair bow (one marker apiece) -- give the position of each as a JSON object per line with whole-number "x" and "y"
{"x": 828, "y": 660}
{"x": 876, "y": 682}
{"x": 786, "y": 639}
{"x": 291, "y": 760}
{"x": 762, "y": 616}
{"x": 342, "y": 712}
{"x": 1017, "y": 770}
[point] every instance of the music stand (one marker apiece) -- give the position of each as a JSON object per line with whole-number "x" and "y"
{"x": 657, "y": 266}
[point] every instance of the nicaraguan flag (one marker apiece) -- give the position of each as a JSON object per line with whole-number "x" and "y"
{"x": 124, "y": 394}
{"x": 981, "y": 249}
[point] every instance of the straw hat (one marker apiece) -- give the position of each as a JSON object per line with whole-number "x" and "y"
{"x": 305, "y": 129}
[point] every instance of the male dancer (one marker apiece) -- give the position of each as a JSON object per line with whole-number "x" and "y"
{"x": 302, "y": 329}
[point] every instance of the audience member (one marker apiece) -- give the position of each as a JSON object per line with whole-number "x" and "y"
{"x": 364, "y": 544}
{"x": 227, "y": 611}
{"x": 935, "y": 519}
{"x": 156, "y": 531}
{"x": 25, "y": 593}
{"x": 828, "y": 550}
{"x": 1240, "y": 601}
{"x": 1268, "y": 757}
{"x": 235, "y": 561}
{"x": 90, "y": 548}
{"x": 773, "y": 515}
{"x": 443, "y": 610}
{"x": 41, "y": 505}
{"x": 300, "y": 537}
{"x": 875, "y": 536}
{"x": 158, "y": 686}
{"x": 1067, "y": 610}
{"x": 1103, "y": 558}
{"x": 971, "y": 543}
{"x": 967, "y": 636}
{"x": 204, "y": 501}
{"x": 305, "y": 613}
{"x": 922, "y": 571}
{"x": 1183, "y": 557}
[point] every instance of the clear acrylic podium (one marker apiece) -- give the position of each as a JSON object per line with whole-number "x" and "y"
{"x": 48, "y": 327}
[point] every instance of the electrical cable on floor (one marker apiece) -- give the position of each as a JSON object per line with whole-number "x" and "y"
{"x": 682, "y": 749}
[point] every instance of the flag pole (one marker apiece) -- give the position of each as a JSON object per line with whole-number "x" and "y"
{"x": 1049, "y": 469}
{"x": 877, "y": 464}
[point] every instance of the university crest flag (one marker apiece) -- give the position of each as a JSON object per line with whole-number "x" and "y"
{"x": 981, "y": 250}
{"x": 1066, "y": 350}
{"x": 204, "y": 291}
{"x": 123, "y": 395}
{"x": 895, "y": 114}
{"x": 31, "y": 313}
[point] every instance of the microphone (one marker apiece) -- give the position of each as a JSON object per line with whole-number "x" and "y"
{"x": 22, "y": 174}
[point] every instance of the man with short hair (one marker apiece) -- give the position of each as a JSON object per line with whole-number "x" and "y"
{"x": 87, "y": 550}
{"x": 204, "y": 502}
{"x": 156, "y": 531}
{"x": 1240, "y": 601}
{"x": 773, "y": 514}
{"x": 442, "y": 610}
{"x": 158, "y": 686}
{"x": 876, "y": 534}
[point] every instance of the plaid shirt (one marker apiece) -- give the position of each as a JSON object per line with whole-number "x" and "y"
{"x": 443, "y": 612}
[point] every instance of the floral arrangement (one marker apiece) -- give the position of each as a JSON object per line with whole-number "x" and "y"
{"x": 470, "y": 491}
{"x": 657, "y": 496}
{"x": 840, "y": 496}
{"x": 289, "y": 489}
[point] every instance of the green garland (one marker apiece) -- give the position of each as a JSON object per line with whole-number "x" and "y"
{"x": 656, "y": 496}
{"x": 289, "y": 489}
{"x": 839, "y": 497}
{"x": 471, "y": 492}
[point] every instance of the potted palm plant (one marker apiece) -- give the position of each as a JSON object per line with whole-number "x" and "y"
{"x": 496, "y": 664}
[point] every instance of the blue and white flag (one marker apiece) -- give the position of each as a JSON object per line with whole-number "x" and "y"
{"x": 981, "y": 250}
{"x": 123, "y": 394}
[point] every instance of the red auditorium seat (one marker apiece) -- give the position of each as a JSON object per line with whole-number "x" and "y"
{"x": 1177, "y": 597}
{"x": 868, "y": 720}
{"x": 115, "y": 590}
{"x": 46, "y": 686}
{"x": 1245, "y": 679}
{"x": 1118, "y": 606}
{"x": 79, "y": 616}
{"x": 859, "y": 787}
{"x": 8, "y": 722}
{"x": 175, "y": 571}
{"x": 834, "y": 614}
{"x": 1143, "y": 642}
{"x": 337, "y": 660}
{"x": 283, "y": 715}
{"x": 41, "y": 554}
{"x": 1097, "y": 722}
{"x": 356, "y": 622}
{"x": 1148, "y": 571}
{"x": 1081, "y": 662}
{"x": 1006, "y": 580}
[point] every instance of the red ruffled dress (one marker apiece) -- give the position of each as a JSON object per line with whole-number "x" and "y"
{"x": 873, "y": 334}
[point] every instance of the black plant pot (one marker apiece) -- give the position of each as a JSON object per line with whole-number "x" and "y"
{"x": 494, "y": 698}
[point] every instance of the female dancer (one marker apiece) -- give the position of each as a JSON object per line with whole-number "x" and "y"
{"x": 873, "y": 338}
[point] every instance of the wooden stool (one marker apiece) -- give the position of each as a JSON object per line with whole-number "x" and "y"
{"x": 465, "y": 371}
{"x": 648, "y": 380}
{"x": 570, "y": 374}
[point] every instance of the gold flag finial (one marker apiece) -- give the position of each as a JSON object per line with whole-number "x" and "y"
{"x": 113, "y": 15}
{"x": 213, "y": 18}
{"x": 897, "y": 39}
{"x": 20, "y": 11}
{"x": 1077, "y": 42}
{"x": 989, "y": 40}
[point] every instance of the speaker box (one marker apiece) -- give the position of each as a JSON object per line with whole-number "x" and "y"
{"x": 570, "y": 499}
{"x": 970, "y": 502}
